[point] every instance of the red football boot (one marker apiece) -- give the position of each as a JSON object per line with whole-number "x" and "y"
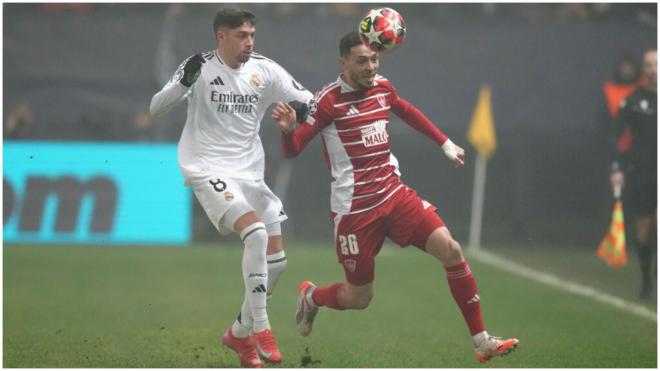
{"x": 244, "y": 347}
{"x": 267, "y": 347}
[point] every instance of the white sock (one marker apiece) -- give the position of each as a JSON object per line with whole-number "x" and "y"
{"x": 479, "y": 338}
{"x": 276, "y": 266}
{"x": 255, "y": 273}
{"x": 243, "y": 324}
{"x": 308, "y": 297}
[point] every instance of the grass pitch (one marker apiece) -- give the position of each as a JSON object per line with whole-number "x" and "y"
{"x": 167, "y": 307}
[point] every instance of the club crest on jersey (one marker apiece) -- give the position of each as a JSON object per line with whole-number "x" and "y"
{"x": 255, "y": 80}
{"x": 382, "y": 101}
{"x": 350, "y": 264}
{"x": 375, "y": 133}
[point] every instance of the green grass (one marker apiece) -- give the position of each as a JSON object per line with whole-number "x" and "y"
{"x": 167, "y": 307}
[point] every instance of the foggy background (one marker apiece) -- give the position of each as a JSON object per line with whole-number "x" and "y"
{"x": 87, "y": 72}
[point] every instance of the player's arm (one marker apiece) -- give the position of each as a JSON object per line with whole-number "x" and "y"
{"x": 294, "y": 137}
{"x": 619, "y": 158}
{"x": 178, "y": 87}
{"x": 418, "y": 121}
{"x": 287, "y": 89}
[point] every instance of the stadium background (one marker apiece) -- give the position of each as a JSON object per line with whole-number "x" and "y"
{"x": 87, "y": 73}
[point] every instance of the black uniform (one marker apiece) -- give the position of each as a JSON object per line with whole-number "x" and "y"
{"x": 639, "y": 111}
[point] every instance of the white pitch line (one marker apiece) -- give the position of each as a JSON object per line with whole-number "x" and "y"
{"x": 572, "y": 287}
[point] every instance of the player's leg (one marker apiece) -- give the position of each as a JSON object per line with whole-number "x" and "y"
{"x": 255, "y": 276}
{"x": 414, "y": 221}
{"x": 275, "y": 258}
{"x": 463, "y": 287}
{"x": 357, "y": 243}
{"x": 645, "y": 251}
{"x": 224, "y": 203}
{"x": 644, "y": 203}
{"x": 270, "y": 208}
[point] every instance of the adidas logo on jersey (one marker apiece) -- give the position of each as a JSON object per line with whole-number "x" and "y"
{"x": 217, "y": 81}
{"x": 352, "y": 110}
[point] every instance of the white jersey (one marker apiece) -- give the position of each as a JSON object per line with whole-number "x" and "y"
{"x": 225, "y": 108}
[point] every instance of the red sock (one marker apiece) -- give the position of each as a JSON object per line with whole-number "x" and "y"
{"x": 464, "y": 289}
{"x": 327, "y": 296}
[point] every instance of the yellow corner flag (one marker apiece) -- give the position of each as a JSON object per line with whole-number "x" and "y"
{"x": 613, "y": 247}
{"x": 482, "y": 128}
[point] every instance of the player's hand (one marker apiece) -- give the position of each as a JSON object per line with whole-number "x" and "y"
{"x": 617, "y": 179}
{"x": 460, "y": 157}
{"x": 285, "y": 117}
{"x": 454, "y": 153}
{"x": 192, "y": 70}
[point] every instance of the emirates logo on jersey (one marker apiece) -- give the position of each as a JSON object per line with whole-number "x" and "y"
{"x": 375, "y": 134}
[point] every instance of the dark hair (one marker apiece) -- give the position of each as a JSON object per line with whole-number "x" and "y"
{"x": 233, "y": 18}
{"x": 349, "y": 40}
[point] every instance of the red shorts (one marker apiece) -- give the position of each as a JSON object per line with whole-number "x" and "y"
{"x": 405, "y": 218}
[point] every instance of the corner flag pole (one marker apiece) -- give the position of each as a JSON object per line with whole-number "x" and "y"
{"x": 474, "y": 243}
{"x": 481, "y": 135}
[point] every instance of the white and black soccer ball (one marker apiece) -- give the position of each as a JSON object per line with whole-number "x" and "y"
{"x": 382, "y": 29}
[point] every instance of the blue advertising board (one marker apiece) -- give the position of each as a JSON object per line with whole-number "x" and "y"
{"x": 94, "y": 193}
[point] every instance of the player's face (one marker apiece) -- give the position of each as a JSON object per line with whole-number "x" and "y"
{"x": 360, "y": 67}
{"x": 650, "y": 67}
{"x": 236, "y": 44}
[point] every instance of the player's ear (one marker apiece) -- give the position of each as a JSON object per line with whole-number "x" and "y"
{"x": 342, "y": 62}
{"x": 220, "y": 35}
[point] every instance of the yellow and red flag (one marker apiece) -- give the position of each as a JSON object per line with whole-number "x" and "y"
{"x": 613, "y": 247}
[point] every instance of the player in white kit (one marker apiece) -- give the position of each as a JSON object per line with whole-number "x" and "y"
{"x": 222, "y": 159}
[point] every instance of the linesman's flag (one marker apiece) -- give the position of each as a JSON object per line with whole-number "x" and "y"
{"x": 482, "y": 130}
{"x": 613, "y": 247}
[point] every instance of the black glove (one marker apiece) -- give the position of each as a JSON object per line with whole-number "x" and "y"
{"x": 191, "y": 70}
{"x": 301, "y": 110}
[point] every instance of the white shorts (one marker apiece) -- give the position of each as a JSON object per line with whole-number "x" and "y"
{"x": 226, "y": 199}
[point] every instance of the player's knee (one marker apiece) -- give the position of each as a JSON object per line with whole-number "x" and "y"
{"x": 454, "y": 251}
{"x": 448, "y": 251}
{"x": 255, "y": 236}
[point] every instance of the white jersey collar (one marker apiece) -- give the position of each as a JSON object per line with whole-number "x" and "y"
{"x": 217, "y": 55}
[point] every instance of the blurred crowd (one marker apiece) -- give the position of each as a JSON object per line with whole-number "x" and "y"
{"x": 641, "y": 12}
{"x": 22, "y": 123}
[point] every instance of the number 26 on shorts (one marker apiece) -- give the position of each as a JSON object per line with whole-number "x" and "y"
{"x": 348, "y": 244}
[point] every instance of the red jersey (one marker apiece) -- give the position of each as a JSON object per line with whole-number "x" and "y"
{"x": 354, "y": 128}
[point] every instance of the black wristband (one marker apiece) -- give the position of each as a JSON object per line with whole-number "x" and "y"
{"x": 301, "y": 110}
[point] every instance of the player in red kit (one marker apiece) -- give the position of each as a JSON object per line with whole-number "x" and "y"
{"x": 369, "y": 202}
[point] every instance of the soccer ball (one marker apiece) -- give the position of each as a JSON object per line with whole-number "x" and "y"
{"x": 382, "y": 29}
